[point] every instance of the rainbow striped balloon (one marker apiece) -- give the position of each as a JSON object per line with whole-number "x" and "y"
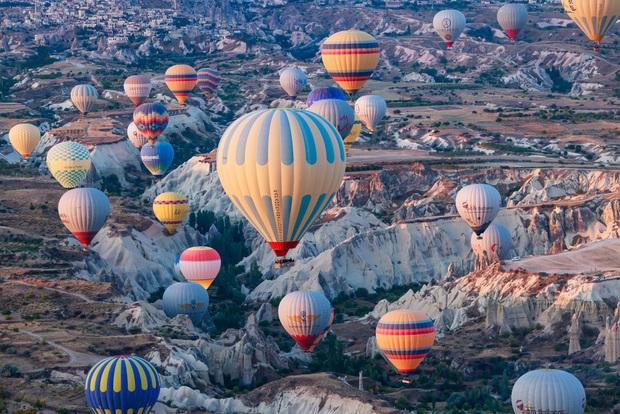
{"x": 157, "y": 157}
{"x": 122, "y": 385}
{"x": 208, "y": 81}
{"x": 171, "y": 209}
{"x": 69, "y": 163}
{"x": 350, "y": 57}
{"x": 281, "y": 168}
{"x": 84, "y": 98}
{"x": 151, "y": 119}
{"x": 200, "y": 265}
{"x": 137, "y": 88}
{"x": 181, "y": 80}
{"x": 405, "y": 337}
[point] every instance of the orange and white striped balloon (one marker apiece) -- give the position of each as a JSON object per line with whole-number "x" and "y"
{"x": 200, "y": 265}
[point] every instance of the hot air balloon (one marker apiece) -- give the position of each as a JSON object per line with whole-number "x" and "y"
{"x": 84, "y": 98}
{"x": 135, "y": 136}
{"x": 24, "y": 138}
{"x": 370, "y": 109}
{"x": 353, "y": 136}
{"x": 157, "y": 157}
{"x": 594, "y": 17}
{"x": 496, "y": 242}
{"x": 84, "y": 212}
{"x": 449, "y": 24}
{"x": 321, "y": 93}
{"x": 512, "y": 17}
{"x": 350, "y": 57}
{"x": 293, "y": 81}
{"x": 281, "y": 168}
{"x": 137, "y": 88}
{"x": 186, "y": 298}
{"x": 405, "y": 337}
{"x": 181, "y": 80}
{"x": 151, "y": 119}
{"x": 548, "y": 391}
{"x": 478, "y": 204}
{"x": 208, "y": 80}
{"x": 171, "y": 209}
{"x": 69, "y": 163}
{"x": 122, "y": 385}
{"x": 336, "y": 111}
{"x": 200, "y": 265}
{"x": 306, "y": 317}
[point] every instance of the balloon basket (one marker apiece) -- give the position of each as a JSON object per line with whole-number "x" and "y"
{"x": 283, "y": 263}
{"x": 406, "y": 380}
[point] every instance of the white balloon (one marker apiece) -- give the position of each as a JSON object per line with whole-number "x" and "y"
{"x": 548, "y": 391}
{"x": 495, "y": 243}
{"x": 449, "y": 24}
{"x": 478, "y": 204}
{"x": 512, "y": 17}
{"x": 338, "y": 112}
{"x": 293, "y": 81}
{"x": 370, "y": 109}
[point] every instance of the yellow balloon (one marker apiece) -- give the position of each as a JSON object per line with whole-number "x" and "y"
{"x": 594, "y": 17}
{"x": 24, "y": 138}
{"x": 355, "y": 133}
{"x": 171, "y": 209}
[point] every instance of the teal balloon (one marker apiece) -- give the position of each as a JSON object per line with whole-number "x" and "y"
{"x": 186, "y": 298}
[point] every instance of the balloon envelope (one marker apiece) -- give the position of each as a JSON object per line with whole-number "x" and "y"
{"x": 548, "y": 391}
{"x": 122, "y": 385}
{"x": 84, "y": 98}
{"x": 24, "y": 138}
{"x": 171, "y": 209}
{"x": 594, "y": 17}
{"x": 84, "y": 212}
{"x": 512, "y": 17}
{"x": 350, "y": 57}
{"x": 496, "y": 242}
{"x": 200, "y": 265}
{"x": 181, "y": 80}
{"x": 157, "y": 157}
{"x": 208, "y": 80}
{"x": 353, "y": 136}
{"x": 151, "y": 119}
{"x": 405, "y": 337}
{"x": 137, "y": 88}
{"x": 186, "y": 298}
{"x": 338, "y": 112}
{"x": 449, "y": 24}
{"x": 321, "y": 93}
{"x": 293, "y": 81}
{"x": 370, "y": 109}
{"x": 281, "y": 168}
{"x": 306, "y": 317}
{"x": 478, "y": 204}
{"x": 69, "y": 163}
{"x": 135, "y": 136}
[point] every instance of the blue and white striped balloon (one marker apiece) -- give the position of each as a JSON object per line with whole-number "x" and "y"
{"x": 84, "y": 98}
{"x": 281, "y": 168}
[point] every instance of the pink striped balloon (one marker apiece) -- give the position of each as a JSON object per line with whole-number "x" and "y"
{"x": 200, "y": 264}
{"x": 137, "y": 88}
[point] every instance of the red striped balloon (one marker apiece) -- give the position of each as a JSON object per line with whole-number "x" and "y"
{"x": 181, "y": 80}
{"x": 137, "y": 88}
{"x": 405, "y": 337}
{"x": 200, "y": 265}
{"x": 208, "y": 81}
